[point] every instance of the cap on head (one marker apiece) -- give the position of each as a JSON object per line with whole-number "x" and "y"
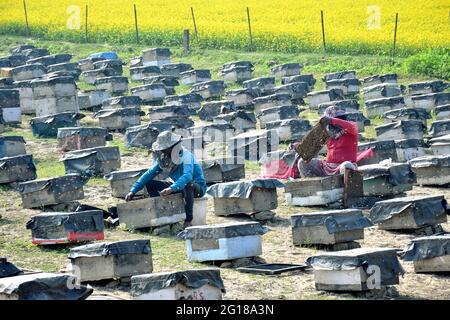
{"x": 333, "y": 112}
{"x": 166, "y": 140}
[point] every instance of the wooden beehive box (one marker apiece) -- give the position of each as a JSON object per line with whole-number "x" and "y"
{"x": 50, "y": 191}
{"x": 429, "y": 254}
{"x": 271, "y": 101}
{"x": 197, "y": 284}
{"x": 11, "y": 146}
{"x": 316, "y": 191}
{"x": 152, "y": 212}
{"x": 277, "y": 113}
{"x": 432, "y": 170}
{"x": 226, "y": 241}
{"x": 409, "y": 212}
{"x": 403, "y": 129}
{"x": 328, "y": 227}
{"x": 114, "y": 84}
{"x": 156, "y": 57}
{"x": 119, "y": 119}
{"x": 122, "y": 181}
{"x": 77, "y": 138}
{"x": 111, "y": 260}
{"x": 376, "y": 107}
{"x": 94, "y": 161}
{"x": 223, "y": 169}
{"x": 17, "y": 169}
{"x": 66, "y": 227}
{"x": 347, "y": 270}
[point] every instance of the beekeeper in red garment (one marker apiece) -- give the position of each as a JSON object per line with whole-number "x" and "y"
{"x": 342, "y": 146}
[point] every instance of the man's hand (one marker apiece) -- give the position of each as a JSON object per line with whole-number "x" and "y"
{"x": 324, "y": 121}
{"x": 166, "y": 192}
{"x": 129, "y": 196}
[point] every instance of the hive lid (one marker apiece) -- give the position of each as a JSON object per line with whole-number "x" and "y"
{"x": 44, "y": 286}
{"x": 82, "y": 132}
{"x": 8, "y": 162}
{"x": 122, "y": 112}
{"x": 58, "y": 184}
{"x": 334, "y": 221}
{"x": 410, "y": 143}
{"x": 111, "y": 248}
{"x": 225, "y": 164}
{"x": 4, "y": 139}
{"x": 102, "y": 153}
{"x": 397, "y": 173}
{"x": 122, "y": 100}
{"x": 390, "y": 101}
{"x": 426, "y": 210}
{"x": 430, "y": 161}
{"x": 125, "y": 174}
{"x": 416, "y": 113}
{"x": 283, "y": 111}
{"x": 427, "y": 247}
{"x": 224, "y": 230}
{"x": 242, "y": 189}
{"x": 404, "y": 125}
{"x": 385, "y": 258}
{"x": 192, "y": 279}
{"x": 439, "y": 127}
{"x": 57, "y": 118}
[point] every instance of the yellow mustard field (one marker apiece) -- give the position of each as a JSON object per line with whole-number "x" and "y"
{"x": 351, "y": 26}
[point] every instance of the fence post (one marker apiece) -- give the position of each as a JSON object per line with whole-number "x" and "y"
{"x": 195, "y": 24}
{"x": 136, "y": 24}
{"x": 249, "y": 28}
{"x": 86, "y": 25}
{"x": 186, "y": 41}
{"x": 324, "y": 44}
{"x": 26, "y": 18}
{"x": 395, "y": 37}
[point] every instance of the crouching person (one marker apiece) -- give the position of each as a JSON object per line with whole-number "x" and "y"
{"x": 342, "y": 147}
{"x": 180, "y": 165}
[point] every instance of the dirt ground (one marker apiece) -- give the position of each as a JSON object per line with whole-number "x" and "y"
{"x": 169, "y": 252}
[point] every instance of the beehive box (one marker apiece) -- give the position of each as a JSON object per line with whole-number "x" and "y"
{"x": 152, "y": 212}
{"x": 378, "y": 79}
{"x": 286, "y": 70}
{"x": 28, "y": 72}
{"x": 17, "y": 169}
{"x": 408, "y": 149}
{"x": 277, "y": 113}
{"x": 11, "y": 146}
{"x": 175, "y": 69}
{"x": 92, "y": 98}
{"x": 403, "y": 129}
{"x": 87, "y": 64}
{"x": 272, "y": 101}
{"x": 347, "y": 270}
{"x": 212, "y": 109}
{"x": 430, "y": 254}
{"x": 382, "y": 150}
{"x": 144, "y": 135}
{"x": 42, "y": 286}
{"x": 297, "y": 90}
{"x": 291, "y": 129}
{"x": 112, "y": 260}
{"x": 252, "y": 145}
{"x": 223, "y": 169}
{"x": 409, "y": 212}
{"x": 358, "y": 118}
{"x": 150, "y": 92}
{"x": 50, "y": 191}
{"x": 94, "y": 161}
{"x": 317, "y": 97}
{"x": 237, "y": 73}
{"x": 195, "y": 76}
{"x": 376, "y": 107}
{"x": 346, "y": 74}
{"x": 196, "y": 284}
{"x": 156, "y": 57}
{"x": 239, "y": 197}
{"x": 114, "y": 64}
{"x": 315, "y": 191}
{"x": 122, "y": 181}
{"x": 431, "y": 100}
{"x": 240, "y": 120}
{"x": 242, "y": 98}
{"x": 25, "y": 96}
{"x": 48, "y": 126}
{"x": 119, "y": 119}
{"x": 122, "y": 102}
{"x": 193, "y": 100}
{"x": 51, "y": 106}
{"x": 68, "y": 68}
{"x": 54, "y": 87}
{"x": 432, "y": 170}
{"x": 48, "y": 60}
{"x": 347, "y": 105}
{"x": 77, "y": 138}
{"x": 347, "y": 86}
{"x": 387, "y": 179}
{"x": 209, "y": 89}
{"x": 407, "y": 114}
{"x": 140, "y": 73}
{"x": 383, "y": 90}
{"x": 66, "y": 227}
{"x": 328, "y": 227}
{"x": 308, "y": 78}
{"x": 264, "y": 85}
{"x": 162, "y": 112}
{"x": 442, "y": 112}
{"x": 10, "y": 105}
{"x": 440, "y": 128}
{"x": 114, "y": 84}
{"x": 213, "y": 132}
{"x": 425, "y": 87}
{"x": 440, "y": 145}
{"x": 226, "y": 241}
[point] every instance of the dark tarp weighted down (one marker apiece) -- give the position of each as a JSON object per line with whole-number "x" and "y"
{"x": 111, "y": 248}
{"x": 427, "y": 248}
{"x": 47, "y": 126}
{"x": 192, "y": 279}
{"x": 225, "y": 230}
{"x": 242, "y": 189}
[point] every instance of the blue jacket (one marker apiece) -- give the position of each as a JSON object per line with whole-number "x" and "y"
{"x": 189, "y": 170}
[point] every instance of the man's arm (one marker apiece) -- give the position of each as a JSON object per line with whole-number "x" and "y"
{"x": 146, "y": 177}
{"x": 348, "y": 126}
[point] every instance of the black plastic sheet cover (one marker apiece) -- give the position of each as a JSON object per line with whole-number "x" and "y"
{"x": 122, "y": 175}
{"x": 439, "y": 128}
{"x": 122, "y": 112}
{"x": 405, "y": 125}
{"x": 430, "y": 161}
{"x": 435, "y": 86}
{"x": 82, "y": 132}
{"x": 425, "y": 210}
{"x": 249, "y": 116}
{"x": 9, "y": 162}
{"x": 385, "y": 259}
{"x": 58, "y": 185}
{"x": 102, "y": 154}
{"x": 397, "y": 173}
{"x": 224, "y": 230}
{"x": 178, "y": 110}
{"x": 242, "y": 189}
{"x": 283, "y": 111}
{"x": 427, "y": 248}
{"x": 44, "y": 286}
{"x": 143, "y": 136}
{"x": 391, "y": 101}
{"x": 122, "y": 101}
{"x": 7, "y": 269}
{"x": 192, "y": 279}
{"x": 412, "y": 113}
{"x": 111, "y": 248}
{"x": 334, "y": 221}
{"x": 48, "y": 126}
{"x": 225, "y": 164}
{"x": 4, "y": 139}
{"x": 410, "y": 143}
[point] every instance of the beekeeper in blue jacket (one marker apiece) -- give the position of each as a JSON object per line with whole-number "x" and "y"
{"x": 180, "y": 165}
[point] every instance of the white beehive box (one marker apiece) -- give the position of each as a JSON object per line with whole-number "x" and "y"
{"x": 316, "y": 191}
